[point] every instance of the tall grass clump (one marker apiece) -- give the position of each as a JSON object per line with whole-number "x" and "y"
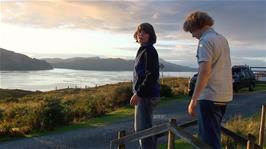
{"x": 243, "y": 127}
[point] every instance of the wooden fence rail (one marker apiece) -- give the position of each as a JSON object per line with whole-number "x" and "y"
{"x": 172, "y": 129}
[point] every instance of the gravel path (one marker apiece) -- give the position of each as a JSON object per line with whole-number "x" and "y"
{"x": 245, "y": 104}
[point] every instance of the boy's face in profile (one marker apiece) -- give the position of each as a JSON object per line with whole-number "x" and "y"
{"x": 143, "y": 37}
{"x": 196, "y": 33}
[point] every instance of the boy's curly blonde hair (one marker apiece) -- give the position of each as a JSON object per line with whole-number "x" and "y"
{"x": 197, "y": 20}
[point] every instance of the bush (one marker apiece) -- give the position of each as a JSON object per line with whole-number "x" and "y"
{"x": 166, "y": 91}
{"x": 97, "y": 107}
{"x": 79, "y": 109}
{"x": 51, "y": 114}
{"x": 73, "y": 112}
{"x": 1, "y": 114}
{"x": 5, "y": 128}
{"x": 178, "y": 85}
{"x": 34, "y": 111}
{"x": 121, "y": 95}
{"x": 16, "y": 120}
{"x": 18, "y": 114}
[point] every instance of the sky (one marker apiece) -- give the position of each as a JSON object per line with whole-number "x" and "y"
{"x": 64, "y": 29}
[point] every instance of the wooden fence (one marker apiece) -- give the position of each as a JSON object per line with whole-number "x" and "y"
{"x": 172, "y": 130}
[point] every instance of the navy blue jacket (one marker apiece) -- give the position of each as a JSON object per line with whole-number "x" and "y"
{"x": 146, "y": 73}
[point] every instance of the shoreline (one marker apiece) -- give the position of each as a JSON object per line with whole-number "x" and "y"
{"x": 84, "y": 86}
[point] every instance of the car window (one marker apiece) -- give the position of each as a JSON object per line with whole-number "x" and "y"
{"x": 235, "y": 72}
{"x": 242, "y": 73}
{"x": 252, "y": 75}
{"x": 247, "y": 75}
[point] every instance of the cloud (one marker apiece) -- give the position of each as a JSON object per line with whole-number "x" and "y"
{"x": 106, "y": 15}
{"x": 241, "y": 22}
{"x": 238, "y": 20}
{"x": 248, "y": 53}
{"x": 47, "y": 14}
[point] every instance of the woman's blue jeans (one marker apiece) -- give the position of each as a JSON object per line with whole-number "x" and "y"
{"x": 143, "y": 120}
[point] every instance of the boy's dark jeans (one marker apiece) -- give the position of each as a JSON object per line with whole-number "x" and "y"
{"x": 209, "y": 121}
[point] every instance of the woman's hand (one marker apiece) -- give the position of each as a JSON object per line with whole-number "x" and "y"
{"x": 135, "y": 99}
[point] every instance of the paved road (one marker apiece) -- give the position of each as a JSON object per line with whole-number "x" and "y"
{"x": 245, "y": 104}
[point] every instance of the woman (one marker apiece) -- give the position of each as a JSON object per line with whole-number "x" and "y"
{"x": 146, "y": 88}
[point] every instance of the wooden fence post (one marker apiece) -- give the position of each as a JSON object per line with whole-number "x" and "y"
{"x": 251, "y": 141}
{"x": 171, "y": 135}
{"x": 262, "y": 126}
{"x": 120, "y": 135}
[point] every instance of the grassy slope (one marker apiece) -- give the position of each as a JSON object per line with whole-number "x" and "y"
{"x": 117, "y": 115}
{"x": 121, "y": 113}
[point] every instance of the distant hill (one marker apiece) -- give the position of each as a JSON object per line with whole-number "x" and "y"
{"x": 109, "y": 64}
{"x": 10, "y": 60}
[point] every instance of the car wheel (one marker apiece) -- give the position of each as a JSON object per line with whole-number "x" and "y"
{"x": 236, "y": 88}
{"x": 251, "y": 87}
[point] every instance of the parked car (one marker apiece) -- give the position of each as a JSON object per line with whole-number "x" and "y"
{"x": 191, "y": 84}
{"x": 243, "y": 77}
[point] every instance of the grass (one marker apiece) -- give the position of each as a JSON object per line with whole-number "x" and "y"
{"x": 168, "y": 100}
{"x": 242, "y": 126}
{"x": 109, "y": 118}
{"x": 258, "y": 87}
{"x": 118, "y": 115}
{"x": 128, "y": 111}
{"x": 77, "y": 107}
{"x": 239, "y": 125}
{"x": 112, "y": 117}
{"x": 179, "y": 144}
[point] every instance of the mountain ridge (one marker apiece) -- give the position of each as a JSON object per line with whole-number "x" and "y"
{"x": 107, "y": 64}
{"x": 10, "y": 60}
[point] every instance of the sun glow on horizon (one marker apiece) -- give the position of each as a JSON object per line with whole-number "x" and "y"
{"x": 64, "y": 41}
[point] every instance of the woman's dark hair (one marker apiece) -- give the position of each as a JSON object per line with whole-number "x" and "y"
{"x": 147, "y": 28}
